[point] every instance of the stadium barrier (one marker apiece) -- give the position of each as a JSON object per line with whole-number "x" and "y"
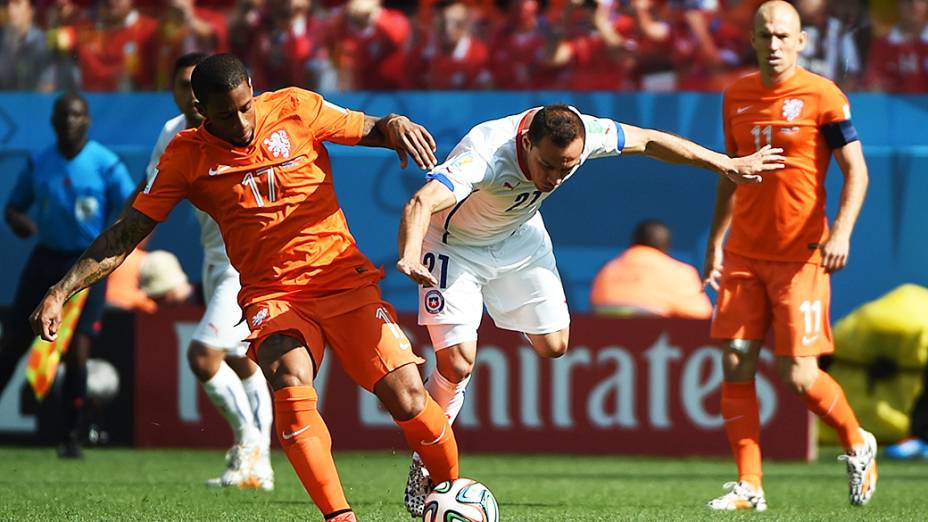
{"x": 627, "y": 386}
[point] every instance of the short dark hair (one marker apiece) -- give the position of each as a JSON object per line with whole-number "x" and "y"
{"x": 66, "y": 98}
{"x": 653, "y": 233}
{"x": 187, "y": 60}
{"x": 219, "y": 73}
{"x": 559, "y": 122}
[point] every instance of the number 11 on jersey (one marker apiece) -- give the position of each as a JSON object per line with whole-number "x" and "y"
{"x": 766, "y": 131}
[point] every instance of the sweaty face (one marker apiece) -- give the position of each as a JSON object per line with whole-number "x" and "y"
{"x": 183, "y": 96}
{"x": 777, "y": 40}
{"x": 231, "y": 116}
{"x": 549, "y": 164}
{"x": 71, "y": 121}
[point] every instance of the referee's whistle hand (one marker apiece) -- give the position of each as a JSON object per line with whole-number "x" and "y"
{"x": 46, "y": 318}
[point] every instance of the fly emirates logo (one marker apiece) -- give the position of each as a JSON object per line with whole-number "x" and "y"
{"x": 660, "y": 387}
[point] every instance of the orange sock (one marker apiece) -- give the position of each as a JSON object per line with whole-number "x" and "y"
{"x": 430, "y": 435}
{"x": 826, "y": 399}
{"x": 306, "y": 441}
{"x": 742, "y": 425}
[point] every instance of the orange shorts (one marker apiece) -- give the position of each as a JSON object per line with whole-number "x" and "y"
{"x": 794, "y": 296}
{"x": 358, "y": 325}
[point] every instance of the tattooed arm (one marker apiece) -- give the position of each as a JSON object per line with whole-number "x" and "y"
{"x": 106, "y": 253}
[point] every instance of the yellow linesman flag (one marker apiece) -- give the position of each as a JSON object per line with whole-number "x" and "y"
{"x": 45, "y": 356}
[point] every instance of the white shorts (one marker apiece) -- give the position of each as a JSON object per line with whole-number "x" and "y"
{"x": 516, "y": 279}
{"x": 222, "y": 326}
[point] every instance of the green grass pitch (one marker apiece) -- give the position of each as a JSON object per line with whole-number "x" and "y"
{"x": 152, "y": 485}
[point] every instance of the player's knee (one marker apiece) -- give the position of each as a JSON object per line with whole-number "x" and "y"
{"x": 204, "y": 363}
{"x": 412, "y": 403}
{"x": 404, "y": 402}
{"x": 739, "y": 360}
{"x": 798, "y": 384}
{"x": 456, "y": 367}
{"x": 285, "y": 362}
{"x": 402, "y": 392}
{"x": 798, "y": 378}
{"x": 551, "y": 346}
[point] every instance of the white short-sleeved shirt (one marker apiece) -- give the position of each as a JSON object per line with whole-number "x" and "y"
{"x": 493, "y": 195}
{"x": 214, "y": 249}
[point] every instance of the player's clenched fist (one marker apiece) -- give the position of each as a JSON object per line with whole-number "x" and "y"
{"x": 46, "y": 318}
{"x": 417, "y": 272}
{"x": 407, "y": 137}
{"x": 748, "y": 169}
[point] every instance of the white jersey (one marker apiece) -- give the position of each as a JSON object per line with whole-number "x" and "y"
{"x": 214, "y": 249}
{"x": 493, "y": 195}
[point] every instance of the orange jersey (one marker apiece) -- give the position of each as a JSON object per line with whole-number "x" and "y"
{"x": 783, "y": 218}
{"x": 274, "y": 200}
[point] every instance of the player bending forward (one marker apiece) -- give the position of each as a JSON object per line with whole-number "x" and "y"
{"x": 258, "y": 167}
{"x": 473, "y": 236}
{"x": 217, "y": 352}
{"x": 780, "y": 252}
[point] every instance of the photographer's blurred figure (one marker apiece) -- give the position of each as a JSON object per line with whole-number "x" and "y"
{"x": 645, "y": 280}
{"x": 163, "y": 280}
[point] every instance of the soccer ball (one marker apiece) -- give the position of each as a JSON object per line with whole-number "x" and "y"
{"x": 461, "y": 500}
{"x": 102, "y": 380}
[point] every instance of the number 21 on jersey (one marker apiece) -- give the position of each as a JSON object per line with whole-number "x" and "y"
{"x": 523, "y": 197}
{"x": 429, "y": 261}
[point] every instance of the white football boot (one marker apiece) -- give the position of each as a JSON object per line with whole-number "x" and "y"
{"x": 262, "y": 475}
{"x": 245, "y": 469}
{"x": 861, "y": 470}
{"x": 740, "y": 496}
{"x": 417, "y": 487}
{"x": 233, "y": 474}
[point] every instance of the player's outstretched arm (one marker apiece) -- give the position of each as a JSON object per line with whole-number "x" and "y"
{"x": 721, "y": 220}
{"x": 431, "y": 198}
{"x": 397, "y": 132}
{"x": 106, "y": 253}
{"x": 674, "y": 149}
{"x": 836, "y": 249}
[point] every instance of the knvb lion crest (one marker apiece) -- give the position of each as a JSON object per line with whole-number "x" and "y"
{"x": 259, "y": 317}
{"x": 792, "y": 108}
{"x": 278, "y": 144}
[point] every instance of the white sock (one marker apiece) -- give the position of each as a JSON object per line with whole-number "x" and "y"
{"x": 225, "y": 390}
{"x": 448, "y": 395}
{"x": 259, "y": 397}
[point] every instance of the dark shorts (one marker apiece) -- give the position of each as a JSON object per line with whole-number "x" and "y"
{"x": 45, "y": 268}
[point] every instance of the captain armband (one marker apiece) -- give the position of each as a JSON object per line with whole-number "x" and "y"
{"x": 839, "y": 133}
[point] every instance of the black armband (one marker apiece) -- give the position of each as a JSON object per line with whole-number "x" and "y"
{"x": 839, "y": 133}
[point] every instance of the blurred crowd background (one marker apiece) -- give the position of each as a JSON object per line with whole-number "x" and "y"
{"x": 374, "y": 45}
